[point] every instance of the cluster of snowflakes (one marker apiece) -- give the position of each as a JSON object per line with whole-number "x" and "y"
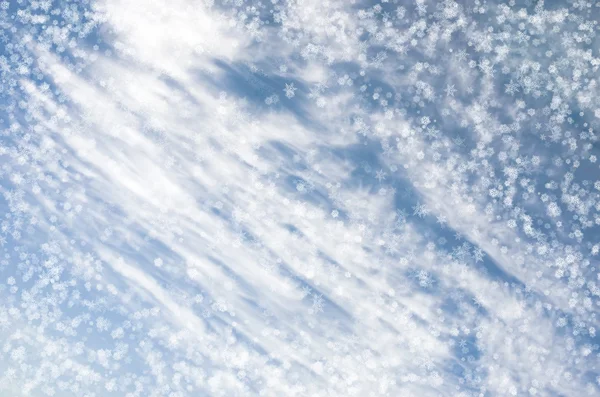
{"x": 299, "y": 198}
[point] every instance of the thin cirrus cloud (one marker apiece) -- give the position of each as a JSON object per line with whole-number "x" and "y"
{"x": 333, "y": 203}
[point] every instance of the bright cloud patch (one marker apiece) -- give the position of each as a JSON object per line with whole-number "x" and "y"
{"x": 299, "y": 198}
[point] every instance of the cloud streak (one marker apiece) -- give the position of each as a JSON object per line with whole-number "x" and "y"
{"x": 416, "y": 216}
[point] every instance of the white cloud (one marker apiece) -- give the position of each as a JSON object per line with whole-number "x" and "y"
{"x": 232, "y": 246}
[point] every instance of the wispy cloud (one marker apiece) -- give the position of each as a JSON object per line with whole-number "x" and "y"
{"x": 298, "y": 199}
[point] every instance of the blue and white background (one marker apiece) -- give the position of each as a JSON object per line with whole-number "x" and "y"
{"x": 299, "y": 198}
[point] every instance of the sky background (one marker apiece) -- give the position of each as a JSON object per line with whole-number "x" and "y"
{"x": 299, "y": 198}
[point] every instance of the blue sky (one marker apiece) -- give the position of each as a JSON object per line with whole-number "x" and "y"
{"x": 299, "y": 198}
